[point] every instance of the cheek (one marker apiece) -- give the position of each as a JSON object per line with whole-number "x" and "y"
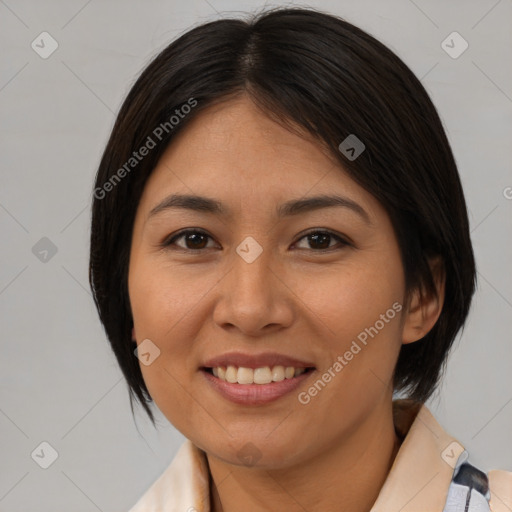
{"x": 161, "y": 298}
{"x": 357, "y": 308}
{"x": 351, "y": 297}
{"x": 160, "y": 305}
{"x": 165, "y": 305}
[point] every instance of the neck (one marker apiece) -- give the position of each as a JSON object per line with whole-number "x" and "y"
{"x": 346, "y": 477}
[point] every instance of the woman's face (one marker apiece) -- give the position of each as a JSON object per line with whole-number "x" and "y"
{"x": 257, "y": 287}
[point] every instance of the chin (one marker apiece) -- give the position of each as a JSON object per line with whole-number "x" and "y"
{"x": 257, "y": 452}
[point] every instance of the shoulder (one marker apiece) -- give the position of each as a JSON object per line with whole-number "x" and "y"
{"x": 181, "y": 487}
{"x": 500, "y": 486}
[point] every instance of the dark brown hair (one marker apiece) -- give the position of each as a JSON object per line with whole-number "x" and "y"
{"x": 320, "y": 73}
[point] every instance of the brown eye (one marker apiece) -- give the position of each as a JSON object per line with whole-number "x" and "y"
{"x": 320, "y": 240}
{"x": 194, "y": 240}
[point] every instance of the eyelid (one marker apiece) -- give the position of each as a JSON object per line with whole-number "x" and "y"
{"x": 170, "y": 240}
{"x": 342, "y": 239}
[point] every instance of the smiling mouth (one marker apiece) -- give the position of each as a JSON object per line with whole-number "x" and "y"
{"x": 263, "y": 375}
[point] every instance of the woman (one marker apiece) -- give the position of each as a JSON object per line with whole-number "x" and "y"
{"x": 280, "y": 231}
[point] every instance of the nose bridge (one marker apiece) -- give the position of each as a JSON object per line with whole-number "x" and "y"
{"x": 251, "y": 294}
{"x": 251, "y": 272}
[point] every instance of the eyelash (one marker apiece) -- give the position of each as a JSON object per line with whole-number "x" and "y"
{"x": 168, "y": 242}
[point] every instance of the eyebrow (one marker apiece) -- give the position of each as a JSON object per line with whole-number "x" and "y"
{"x": 290, "y": 208}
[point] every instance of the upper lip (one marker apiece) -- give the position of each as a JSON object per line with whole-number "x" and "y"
{"x": 255, "y": 360}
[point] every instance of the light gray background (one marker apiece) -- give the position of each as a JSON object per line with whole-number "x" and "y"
{"x": 59, "y": 380}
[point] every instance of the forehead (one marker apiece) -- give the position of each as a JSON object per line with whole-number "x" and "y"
{"x": 241, "y": 134}
{"x": 235, "y": 150}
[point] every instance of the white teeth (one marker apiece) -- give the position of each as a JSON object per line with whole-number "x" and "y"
{"x": 263, "y": 375}
{"x": 245, "y": 375}
{"x": 278, "y": 373}
{"x": 289, "y": 372}
{"x": 231, "y": 374}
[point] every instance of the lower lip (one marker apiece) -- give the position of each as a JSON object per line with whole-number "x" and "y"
{"x": 255, "y": 394}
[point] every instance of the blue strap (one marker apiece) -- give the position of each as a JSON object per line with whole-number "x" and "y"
{"x": 469, "y": 489}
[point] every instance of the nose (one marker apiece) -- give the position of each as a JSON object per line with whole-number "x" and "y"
{"x": 254, "y": 297}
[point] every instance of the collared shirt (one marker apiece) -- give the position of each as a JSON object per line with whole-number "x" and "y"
{"x": 418, "y": 480}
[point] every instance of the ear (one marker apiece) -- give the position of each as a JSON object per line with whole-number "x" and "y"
{"x": 424, "y": 308}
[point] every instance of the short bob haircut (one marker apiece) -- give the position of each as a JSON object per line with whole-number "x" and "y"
{"x": 317, "y": 73}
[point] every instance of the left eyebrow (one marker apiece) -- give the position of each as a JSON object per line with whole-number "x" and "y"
{"x": 290, "y": 208}
{"x": 299, "y": 206}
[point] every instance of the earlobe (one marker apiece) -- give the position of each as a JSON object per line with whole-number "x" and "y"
{"x": 425, "y": 308}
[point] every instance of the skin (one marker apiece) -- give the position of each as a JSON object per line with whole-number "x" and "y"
{"x": 334, "y": 453}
